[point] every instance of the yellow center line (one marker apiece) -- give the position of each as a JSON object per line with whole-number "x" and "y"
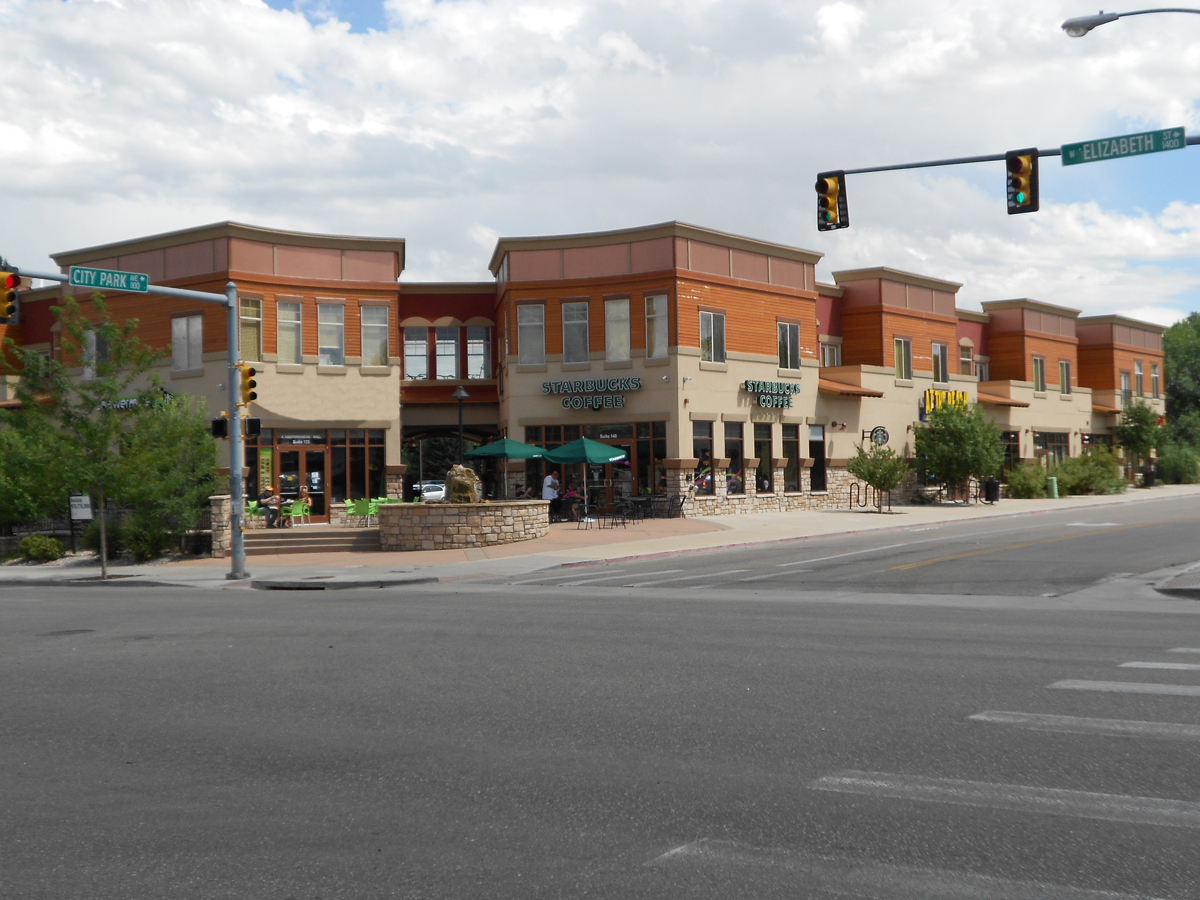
{"x": 1065, "y": 537}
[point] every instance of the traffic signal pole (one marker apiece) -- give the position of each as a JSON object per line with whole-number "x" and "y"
{"x": 237, "y": 456}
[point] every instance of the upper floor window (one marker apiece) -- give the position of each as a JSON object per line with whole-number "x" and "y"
{"x": 981, "y": 371}
{"x": 374, "y": 335}
{"x": 1064, "y": 377}
{"x": 1137, "y": 377}
{"x": 95, "y": 351}
{"x": 941, "y": 363}
{"x": 331, "y": 334}
{"x": 291, "y": 341}
{"x": 1039, "y": 374}
{"x": 903, "y": 359}
{"x": 447, "y": 352}
{"x": 531, "y": 334}
{"x": 831, "y": 354}
{"x": 965, "y": 359}
{"x": 416, "y": 354}
{"x": 250, "y": 335}
{"x": 479, "y": 352}
{"x": 1126, "y": 393}
{"x": 187, "y": 342}
{"x": 1154, "y": 385}
{"x": 616, "y": 330}
{"x": 575, "y": 332}
{"x": 656, "y": 326}
{"x": 712, "y": 337}
{"x": 789, "y": 345}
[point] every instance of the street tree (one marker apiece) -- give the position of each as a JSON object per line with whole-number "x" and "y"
{"x": 957, "y": 444}
{"x": 1139, "y": 431}
{"x": 1181, "y": 349}
{"x": 880, "y": 467}
{"x": 31, "y": 480}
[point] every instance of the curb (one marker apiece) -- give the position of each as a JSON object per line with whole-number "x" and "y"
{"x": 293, "y": 584}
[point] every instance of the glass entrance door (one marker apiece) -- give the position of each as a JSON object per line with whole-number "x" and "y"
{"x": 314, "y": 480}
{"x": 816, "y": 451}
{"x": 304, "y": 468}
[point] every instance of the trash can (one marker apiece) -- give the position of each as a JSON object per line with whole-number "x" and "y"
{"x": 1052, "y": 487}
{"x": 1148, "y": 476}
{"x": 991, "y": 491}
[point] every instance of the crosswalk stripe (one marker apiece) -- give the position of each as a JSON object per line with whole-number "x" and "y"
{"x": 713, "y": 575}
{"x": 1129, "y": 687}
{"x": 1018, "y": 797}
{"x": 1177, "y": 667}
{"x": 1077, "y": 725}
{"x": 867, "y": 878}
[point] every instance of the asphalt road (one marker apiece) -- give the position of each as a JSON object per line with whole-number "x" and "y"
{"x": 489, "y": 741}
{"x": 1043, "y": 554}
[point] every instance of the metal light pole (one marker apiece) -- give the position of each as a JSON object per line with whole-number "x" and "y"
{"x": 460, "y": 395}
{"x": 1081, "y": 25}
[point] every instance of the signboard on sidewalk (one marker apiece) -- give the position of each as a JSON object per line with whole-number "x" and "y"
{"x": 81, "y": 508}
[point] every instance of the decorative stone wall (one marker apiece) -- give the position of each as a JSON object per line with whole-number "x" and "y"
{"x": 222, "y": 539}
{"x": 456, "y": 526}
{"x": 836, "y": 495}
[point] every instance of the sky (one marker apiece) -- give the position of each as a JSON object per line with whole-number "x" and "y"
{"x": 452, "y": 123}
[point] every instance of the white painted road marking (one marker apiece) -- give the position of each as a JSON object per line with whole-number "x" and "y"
{"x": 1177, "y": 667}
{"x": 1019, "y": 797}
{"x": 621, "y": 574}
{"x": 1185, "y": 650}
{"x": 1076, "y": 725}
{"x": 1092, "y": 525}
{"x": 682, "y": 577}
{"x": 866, "y": 878}
{"x": 774, "y": 575}
{"x": 1129, "y": 687}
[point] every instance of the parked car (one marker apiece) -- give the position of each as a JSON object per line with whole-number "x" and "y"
{"x": 433, "y": 492}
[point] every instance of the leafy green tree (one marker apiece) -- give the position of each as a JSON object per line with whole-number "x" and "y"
{"x": 1181, "y": 347}
{"x": 957, "y": 444}
{"x": 91, "y": 415}
{"x": 1185, "y": 429}
{"x": 1139, "y": 431}
{"x": 32, "y": 485}
{"x": 879, "y": 467}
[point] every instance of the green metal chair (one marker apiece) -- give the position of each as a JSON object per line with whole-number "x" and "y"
{"x": 254, "y": 512}
{"x": 360, "y": 509}
{"x": 297, "y": 510}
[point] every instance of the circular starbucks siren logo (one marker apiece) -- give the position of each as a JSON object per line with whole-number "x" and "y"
{"x": 879, "y": 435}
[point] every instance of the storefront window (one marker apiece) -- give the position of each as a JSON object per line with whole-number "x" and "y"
{"x": 791, "y": 453}
{"x": 735, "y": 475}
{"x": 764, "y": 477}
{"x": 531, "y": 334}
{"x": 447, "y": 353}
{"x": 575, "y": 332}
{"x": 331, "y": 334}
{"x": 290, "y": 342}
{"x": 416, "y": 354}
{"x": 616, "y": 330}
{"x": 656, "y": 326}
{"x": 1012, "y": 449}
{"x": 702, "y": 446}
{"x": 374, "y": 335}
{"x": 356, "y": 464}
{"x": 1064, "y": 377}
{"x": 712, "y": 337}
{"x": 789, "y": 345}
{"x": 250, "y": 336}
{"x": 479, "y": 352}
{"x": 903, "y": 350}
{"x": 1051, "y": 447}
{"x": 187, "y": 342}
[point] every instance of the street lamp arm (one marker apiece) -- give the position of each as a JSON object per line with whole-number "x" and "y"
{"x": 1081, "y": 25}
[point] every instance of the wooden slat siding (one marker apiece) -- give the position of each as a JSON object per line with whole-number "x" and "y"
{"x": 1008, "y": 361}
{"x": 1052, "y": 350}
{"x": 308, "y": 325}
{"x": 923, "y": 328}
{"x": 862, "y": 338}
{"x": 353, "y": 320}
{"x": 154, "y": 316}
{"x": 1097, "y": 368}
{"x": 1012, "y": 354}
{"x": 270, "y": 325}
{"x": 750, "y": 317}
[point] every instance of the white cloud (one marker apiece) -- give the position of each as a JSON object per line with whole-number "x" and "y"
{"x": 473, "y": 118}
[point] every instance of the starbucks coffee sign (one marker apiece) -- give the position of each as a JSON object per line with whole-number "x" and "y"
{"x": 593, "y": 393}
{"x": 773, "y": 394}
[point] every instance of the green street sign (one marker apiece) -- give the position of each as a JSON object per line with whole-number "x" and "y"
{"x": 1120, "y": 147}
{"x": 81, "y": 276}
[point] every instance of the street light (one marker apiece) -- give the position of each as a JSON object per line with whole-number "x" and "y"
{"x": 460, "y": 395}
{"x": 1081, "y": 25}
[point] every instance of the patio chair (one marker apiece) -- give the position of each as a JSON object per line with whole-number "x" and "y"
{"x": 361, "y": 510}
{"x": 254, "y": 513}
{"x": 297, "y": 509}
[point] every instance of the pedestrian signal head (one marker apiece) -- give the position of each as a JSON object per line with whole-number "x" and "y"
{"x": 832, "y": 211}
{"x": 1022, "y": 187}
{"x": 220, "y": 427}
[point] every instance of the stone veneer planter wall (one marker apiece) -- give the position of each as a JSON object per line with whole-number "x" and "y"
{"x": 456, "y": 526}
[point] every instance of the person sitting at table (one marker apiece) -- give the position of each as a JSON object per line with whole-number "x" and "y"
{"x": 527, "y": 494}
{"x": 269, "y": 501}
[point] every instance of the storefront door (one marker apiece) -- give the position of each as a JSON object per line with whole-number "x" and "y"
{"x": 816, "y": 452}
{"x": 304, "y": 467}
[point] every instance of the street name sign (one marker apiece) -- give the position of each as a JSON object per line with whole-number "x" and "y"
{"x": 82, "y": 276}
{"x": 1126, "y": 145}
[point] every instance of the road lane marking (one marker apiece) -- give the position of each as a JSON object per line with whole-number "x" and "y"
{"x": 1077, "y": 725}
{"x": 621, "y": 574}
{"x": 773, "y": 575}
{"x": 682, "y": 577}
{"x": 1018, "y": 797}
{"x": 1177, "y": 667}
{"x": 1051, "y": 540}
{"x": 1185, "y": 650}
{"x": 805, "y": 562}
{"x": 1092, "y": 525}
{"x": 867, "y": 878}
{"x": 1129, "y": 687}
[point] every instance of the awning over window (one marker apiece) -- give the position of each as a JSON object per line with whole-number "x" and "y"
{"x": 993, "y": 400}
{"x": 1105, "y": 410}
{"x": 849, "y": 390}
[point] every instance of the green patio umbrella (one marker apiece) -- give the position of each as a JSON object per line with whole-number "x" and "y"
{"x": 584, "y": 450}
{"x": 505, "y": 448}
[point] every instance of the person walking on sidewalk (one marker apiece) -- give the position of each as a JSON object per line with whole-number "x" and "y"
{"x": 550, "y": 488}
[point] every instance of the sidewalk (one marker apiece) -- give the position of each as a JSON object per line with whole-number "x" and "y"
{"x": 565, "y": 545}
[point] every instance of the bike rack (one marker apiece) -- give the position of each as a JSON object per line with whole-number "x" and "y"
{"x": 862, "y": 495}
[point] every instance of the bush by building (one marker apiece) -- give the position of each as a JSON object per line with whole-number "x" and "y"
{"x": 1095, "y": 472}
{"x": 1179, "y": 464}
{"x": 1026, "y": 481}
{"x": 41, "y": 547}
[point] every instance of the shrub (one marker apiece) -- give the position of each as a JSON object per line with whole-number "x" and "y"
{"x": 879, "y": 467}
{"x": 1178, "y": 464}
{"x": 1026, "y": 482}
{"x": 39, "y": 546}
{"x": 90, "y": 539}
{"x": 1095, "y": 472}
{"x": 144, "y": 536}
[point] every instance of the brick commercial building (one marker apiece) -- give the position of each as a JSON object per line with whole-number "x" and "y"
{"x": 728, "y": 374}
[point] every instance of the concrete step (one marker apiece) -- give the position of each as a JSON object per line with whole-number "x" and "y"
{"x": 261, "y": 543}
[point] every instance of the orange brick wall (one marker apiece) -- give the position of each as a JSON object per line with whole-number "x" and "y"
{"x": 1012, "y": 356}
{"x": 1100, "y": 367}
{"x": 869, "y": 334}
{"x": 750, "y": 317}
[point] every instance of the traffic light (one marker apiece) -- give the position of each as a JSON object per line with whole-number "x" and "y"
{"x": 832, "y": 211}
{"x": 247, "y": 373}
{"x": 10, "y": 283}
{"x": 1022, "y": 191}
{"x": 220, "y": 426}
